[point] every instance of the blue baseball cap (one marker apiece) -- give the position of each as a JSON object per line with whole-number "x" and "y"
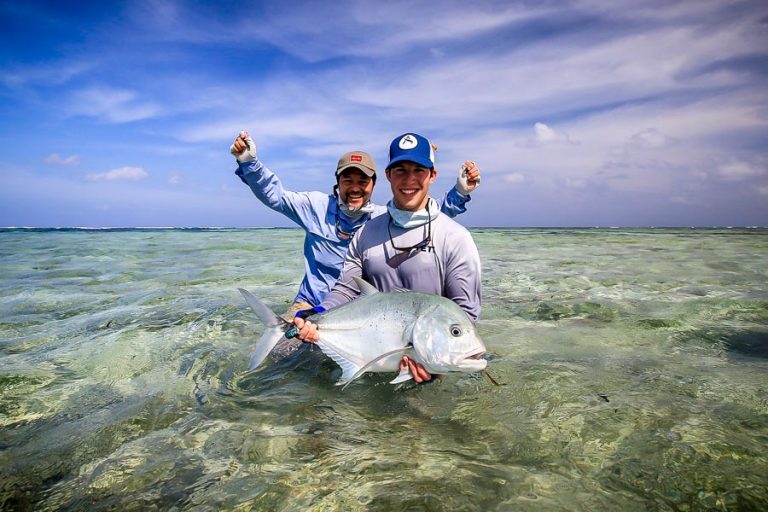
{"x": 411, "y": 147}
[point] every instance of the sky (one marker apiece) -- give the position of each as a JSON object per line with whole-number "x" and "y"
{"x": 578, "y": 113}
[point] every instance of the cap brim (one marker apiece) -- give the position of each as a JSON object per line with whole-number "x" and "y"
{"x": 424, "y": 162}
{"x": 365, "y": 170}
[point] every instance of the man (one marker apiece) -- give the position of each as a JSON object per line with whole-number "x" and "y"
{"x": 413, "y": 246}
{"x": 330, "y": 220}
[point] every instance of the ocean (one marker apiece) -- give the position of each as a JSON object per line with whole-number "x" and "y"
{"x": 632, "y": 366}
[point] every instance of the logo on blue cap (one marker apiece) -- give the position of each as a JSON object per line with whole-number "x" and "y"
{"x": 411, "y": 147}
{"x": 408, "y": 142}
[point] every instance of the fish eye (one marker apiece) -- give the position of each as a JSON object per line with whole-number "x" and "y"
{"x": 455, "y": 331}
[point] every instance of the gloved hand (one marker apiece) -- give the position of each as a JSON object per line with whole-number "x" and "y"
{"x": 244, "y": 149}
{"x": 469, "y": 178}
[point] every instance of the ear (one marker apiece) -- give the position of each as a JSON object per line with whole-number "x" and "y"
{"x": 433, "y": 175}
{"x": 387, "y": 172}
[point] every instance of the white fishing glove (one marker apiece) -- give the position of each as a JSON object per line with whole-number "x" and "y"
{"x": 243, "y": 149}
{"x": 469, "y": 178}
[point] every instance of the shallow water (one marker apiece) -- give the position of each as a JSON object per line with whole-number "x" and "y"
{"x": 632, "y": 363}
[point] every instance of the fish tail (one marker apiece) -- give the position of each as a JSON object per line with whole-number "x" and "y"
{"x": 274, "y": 329}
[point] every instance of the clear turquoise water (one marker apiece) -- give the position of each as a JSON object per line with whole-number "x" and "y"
{"x": 632, "y": 362}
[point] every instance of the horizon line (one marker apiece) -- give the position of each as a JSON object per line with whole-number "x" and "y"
{"x": 96, "y": 228}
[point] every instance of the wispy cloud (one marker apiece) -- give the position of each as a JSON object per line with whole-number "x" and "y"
{"x": 43, "y": 74}
{"x": 649, "y": 138}
{"x": 56, "y": 159}
{"x": 111, "y": 105}
{"x": 738, "y": 171}
{"x": 376, "y": 30}
{"x": 514, "y": 178}
{"x": 121, "y": 174}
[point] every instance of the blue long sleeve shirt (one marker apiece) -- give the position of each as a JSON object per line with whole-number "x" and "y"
{"x": 321, "y": 218}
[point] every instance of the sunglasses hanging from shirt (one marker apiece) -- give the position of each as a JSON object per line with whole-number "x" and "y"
{"x": 424, "y": 245}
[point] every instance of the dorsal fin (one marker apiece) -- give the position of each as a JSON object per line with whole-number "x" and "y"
{"x": 366, "y": 288}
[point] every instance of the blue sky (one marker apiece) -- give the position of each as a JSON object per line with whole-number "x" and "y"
{"x": 582, "y": 113}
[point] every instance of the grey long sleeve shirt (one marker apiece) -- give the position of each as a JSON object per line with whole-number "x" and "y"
{"x": 449, "y": 267}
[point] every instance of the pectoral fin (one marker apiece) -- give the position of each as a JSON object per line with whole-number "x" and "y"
{"x": 405, "y": 375}
{"x": 374, "y": 361}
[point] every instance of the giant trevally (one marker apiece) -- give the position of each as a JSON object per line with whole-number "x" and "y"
{"x": 373, "y": 332}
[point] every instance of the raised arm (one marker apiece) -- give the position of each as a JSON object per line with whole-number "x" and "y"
{"x": 455, "y": 200}
{"x": 267, "y": 187}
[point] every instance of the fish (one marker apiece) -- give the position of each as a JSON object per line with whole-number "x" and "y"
{"x": 373, "y": 332}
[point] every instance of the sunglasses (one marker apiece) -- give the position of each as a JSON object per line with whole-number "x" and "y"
{"x": 421, "y": 246}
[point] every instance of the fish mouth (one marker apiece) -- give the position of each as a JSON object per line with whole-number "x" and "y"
{"x": 474, "y": 362}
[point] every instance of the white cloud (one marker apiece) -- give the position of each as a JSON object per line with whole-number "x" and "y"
{"x": 553, "y": 75}
{"x": 377, "y": 30}
{"x": 699, "y": 175}
{"x": 680, "y": 200}
{"x": 45, "y": 73}
{"x": 174, "y": 180}
{"x": 56, "y": 159}
{"x": 575, "y": 183}
{"x": 121, "y": 174}
{"x": 649, "y": 138}
{"x": 111, "y": 105}
{"x": 514, "y": 178}
{"x": 544, "y": 133}
{"x": 738, "y": 171}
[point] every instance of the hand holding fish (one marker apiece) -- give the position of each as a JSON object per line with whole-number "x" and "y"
{"x": 419, "y": 373}
{"x": 307, "y": 330}
{"x": 243, "y": 148}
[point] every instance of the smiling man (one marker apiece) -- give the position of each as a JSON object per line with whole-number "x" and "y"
{"x": 329, "y": 220}
{"x": 413, "y": 246}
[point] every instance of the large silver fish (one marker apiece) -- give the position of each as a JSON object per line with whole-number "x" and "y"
{"x": 373, "y": 332}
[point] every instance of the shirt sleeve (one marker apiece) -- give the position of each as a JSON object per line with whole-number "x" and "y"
{"x": 462, "y": 276}
{"x": 268, "y": 188}
{"x": 454, "y": 204}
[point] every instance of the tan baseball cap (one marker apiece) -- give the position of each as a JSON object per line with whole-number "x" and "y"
{"x": 357, "y": 160}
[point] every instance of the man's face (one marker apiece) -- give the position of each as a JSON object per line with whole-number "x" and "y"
{"x": 410, "y": 185}
{"x": 355, "y": 188}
